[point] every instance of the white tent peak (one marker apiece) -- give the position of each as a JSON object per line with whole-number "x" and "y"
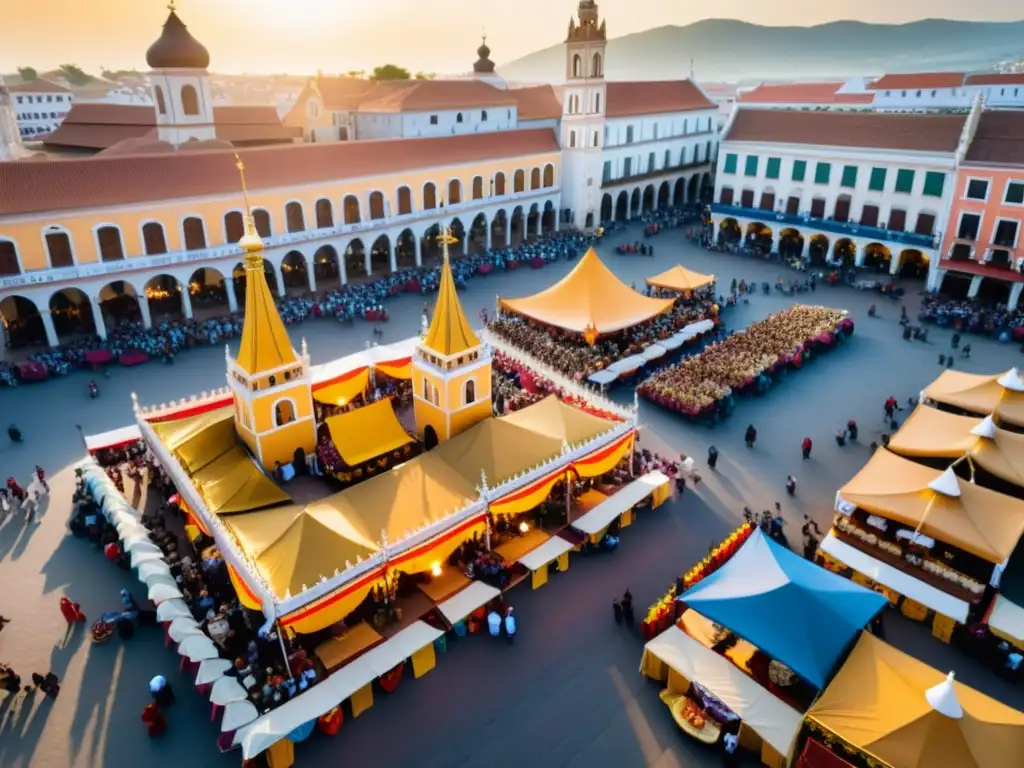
{"x": 943, "y": 698}
{"x": 947, "y": 484}
{"x": 985, "y": 428}
{"x": 1011, "y": 380}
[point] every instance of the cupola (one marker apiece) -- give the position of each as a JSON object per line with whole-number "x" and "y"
{"x": 176, "y": 48}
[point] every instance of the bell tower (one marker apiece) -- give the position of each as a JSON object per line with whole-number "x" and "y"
{"x": 271, "y": 384}
{"x": 583, "y": 115}
{"x": 451, "y": 368}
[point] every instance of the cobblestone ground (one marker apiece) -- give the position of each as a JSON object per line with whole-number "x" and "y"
{"x": 568, "y": 692}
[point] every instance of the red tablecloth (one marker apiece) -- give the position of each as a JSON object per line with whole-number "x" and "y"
{"x": 536, "y": 262}
{"x": 32, "y": 372}
{"x": 485, "y": 269}
{"x": 133, "y": 357}
{"x": 98, "y": 356}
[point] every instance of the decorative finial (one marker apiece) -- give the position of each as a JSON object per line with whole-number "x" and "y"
{"x": 483, "y": 30}
{"x": 447, "y": 238}
{"x": 171, "y": 6}
{"x": 250, "y": 242}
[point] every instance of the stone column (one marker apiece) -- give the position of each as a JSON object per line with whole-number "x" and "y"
{"x": 342, "y": 267}
{"x": 229, "y": 290}
{"x": 508, "y": 231}
{"x": 51, "y": 332}
{"x": 97, "y": 318}
{"x": 282, "y": 291}
{"x": 894, "y": 264}
{"x": 417, "y": 243}
{"x": 368, "y": 258}
{"x": 391, "y": 255}
{"x": 147, "y": 320}
{"x": 311, "y": 275}
{"x": 186, "y": 302}
{"x": 935, "y": 279}
{"x": 1015, "y": 291}
{"x": 776, "y": 239}
{"x": 975, "y": 285}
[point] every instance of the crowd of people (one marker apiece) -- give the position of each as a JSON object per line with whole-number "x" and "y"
{"x": 969, "y": 315}
{"x": 697, "y": 384}
{"x": 517, "y": 387}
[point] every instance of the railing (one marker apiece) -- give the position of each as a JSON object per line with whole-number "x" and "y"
{"x": 174, "y": 258}
{"x": 605, "y": 183}
{"x": 849, "y": 228}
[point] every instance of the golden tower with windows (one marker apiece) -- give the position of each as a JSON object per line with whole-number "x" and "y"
{"x": 451, "y": 368}
{"x": 271, "y": 383}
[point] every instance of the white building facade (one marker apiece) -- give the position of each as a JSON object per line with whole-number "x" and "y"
{"x": 40, "y": 107}
{"x": 435, "y": 122}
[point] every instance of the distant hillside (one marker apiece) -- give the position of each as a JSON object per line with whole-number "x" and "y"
{"x": 729, "y": 50}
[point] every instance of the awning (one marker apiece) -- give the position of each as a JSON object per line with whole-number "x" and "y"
{"x": 550, "y": 550}
{"x": 981, "y": 393}
{"x": 467, "y": 600}
{"x": 388, "y": 655}
{"x": 1007, "y": 621}
{"x": 603, "y": 377}
{"x": 234, "y": 483}
{"x": 773, "y": 720}
{"x": 895, "y": 579}
{"x": 653, "y": 352}
{"x": 345, "y": 391}
{"x": 626, "y": 364}
{"x": 365, "y": 433}
{"x": 115, "y": 438}
{"x": 601, "y": 516}
{"x": 680, "y": 279}
{"x": 673, "y": 342}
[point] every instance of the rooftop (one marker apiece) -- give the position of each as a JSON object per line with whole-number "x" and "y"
{"x": 916, "y": 80}
{"x": 626, "y": 99}
{"x": 537, "y": 103}
{"x": 997, "y": 78}
{"x": 999, "y": 139}
{"x": 38, "y": 86}
{"x": 425, "y": 95}
{"x": 803, "y": 93}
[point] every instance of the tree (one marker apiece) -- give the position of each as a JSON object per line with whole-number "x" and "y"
{"x": 74, "y": 74}
{"x": 28, "y": 74}
{"x": 355, "y": 73}
{"x": 390, "y": 72}
{"x": 117, "y": 74}
{"x": 425, "y": 75}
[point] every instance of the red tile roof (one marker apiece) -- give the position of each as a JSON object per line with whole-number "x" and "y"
{"x": 655, "y": 97}
{"x": 997, "y": 78}
{"x": 915, "y": 80}
{"x": 803, "y": 93}
{"x": 103, "y": 181}
{"x": 998, "y": 139}
{"x": 425, "y": 95}
{"x": 878, "y": 130}
{"x": 343, "y": 93}
{"x": 537, "y": 103}
{"x": 38, "y": 86}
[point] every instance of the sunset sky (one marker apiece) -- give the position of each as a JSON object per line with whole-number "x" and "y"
{"x": 301, "y": 36}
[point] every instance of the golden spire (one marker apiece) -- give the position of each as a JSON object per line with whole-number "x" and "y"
{"x": 172, "y": 8}
{"x": 449, "y": 333}
{"x": 265, "y": 344}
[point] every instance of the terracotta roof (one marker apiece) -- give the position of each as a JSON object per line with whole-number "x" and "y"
{"x": 994, "y": 78}
{"x": 343, "y": 93}
{"x": 803, "y": 93}
{"x": 538, "y": 103}
{"x": 38, "y": 86}
{"x": 654, "y": 97}
{"x": 911, "y": 132}
{"x": 916, "y": 80}
{"x": 102, "y": 181}
{"x": 998, "y": 139}
{"x": 425, "y": 95}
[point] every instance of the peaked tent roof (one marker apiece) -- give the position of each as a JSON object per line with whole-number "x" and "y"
{"x": 793, "y": 610}
{"x": 981, "y": 393}
{"x": 680, "y": 279}
{"x": 877, "y": 702}
{"x": 368, "y": 432}
{"x": 265, "y": 344}
{"x": 449, "y": 333}
{"x": 590, "y": 296}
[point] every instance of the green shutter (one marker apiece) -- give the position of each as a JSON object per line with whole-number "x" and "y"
{"x": 904, "y": 180}
{"x": 799, "y": 170}
{"x": 822, "y": 172}
{"x": 933, "y": 183}
{"x": 730, "y": 163}
{"x": 849, "y": 176}
{"x": 750, "y": 167}
{"x": 877, "y": 182}
{"x": 774, "y": 167}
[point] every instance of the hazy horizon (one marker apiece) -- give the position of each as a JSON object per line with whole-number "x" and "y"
{"x": 303, "y": 36}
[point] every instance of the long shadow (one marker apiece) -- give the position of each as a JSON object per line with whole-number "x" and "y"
{"x": 29, "y": 529}
{"x": 99, "y": 682}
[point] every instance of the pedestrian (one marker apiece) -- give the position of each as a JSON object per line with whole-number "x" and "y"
{"x": 840, "y": 438}
{"x": 627, "y": 607}
{"x": 153, "y": 719}
{"x": 161, "y": 691}
{"x": 617, "y": 611}
{"x": 4, "y": 621}
{"x": 890, "y": 408}
{"x": 712, "y": 456}
{"x": 967, "y": 350}
{"x": 942, "y": 360}
{"x": 955, "y": 341}
{"x": 494, "y": 623}
{"x": 750, "y": 436}
{"x": 949, "y": 362}
{"x": 851, "y": 430}
{"x": 48, "y": 684}
{"x": 730, "y": 742}
{"x": 805, "y": 448}
{"x": 790, "y": 485}
{"x": 510, "y": 625}
{"x": 41, "y": 475}
{"x": 72, "y": 612}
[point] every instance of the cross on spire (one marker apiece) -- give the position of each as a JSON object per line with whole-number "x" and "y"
{"x": 172, "y": 6}
{"x": 250, "y": 227}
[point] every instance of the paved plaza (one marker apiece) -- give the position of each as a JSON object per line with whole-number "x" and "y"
{"x": 568, "y": 692}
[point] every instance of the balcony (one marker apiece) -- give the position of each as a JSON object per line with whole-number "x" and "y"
{"x": 845, "y": 228}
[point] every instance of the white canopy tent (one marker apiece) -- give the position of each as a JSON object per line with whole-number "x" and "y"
{"x": 237, "y": 714}
{"x": 180, "y": 628}
{"x": 772, "y": 719}
{"x": 626, "y": 364}
{"x": 388, "y": 655}
{"x": 175, "y": 608}
{"x": 547, "y": 552}
{"x": 601, "y": 516}
{"x": 198, "y": 648}
{"x": 653, "y": 352}
{"x": 211, "y": 670}
{"x": 1007, "y": 621}
{"x": 226, "y": 690}
{"x": 465, "y": 601}
{"x": 603, "y": 377}
{"x": 115, "y": 438}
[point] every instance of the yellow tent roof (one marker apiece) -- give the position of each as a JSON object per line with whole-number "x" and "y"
{"x": 344, "y": 392}
{"x": 680, "y": 279}
{"x": 265, "y": 344}
{"x": 981, "y": 393}
{"x": 449, "y": 332}
{"x": 233, "y": 483}
{"x": 590, "y": 296}
{"x": 979, "y": 521}
{"x": 931, "y": 433}
{"x": 365, "y": 433}
{"x": 877, "y": 703}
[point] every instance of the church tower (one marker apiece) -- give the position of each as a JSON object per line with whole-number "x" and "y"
{"x": 451, "y": 368}
{"x": 181, "y": 84}
{"x": 583, "y": 115}
{"x": 271, "y": 384}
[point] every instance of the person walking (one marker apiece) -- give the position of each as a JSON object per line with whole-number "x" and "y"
{"x": 161, "y": 691}
{"x": 790, "y": 485}
{"x": 750, "y": 436}
{"x": 966, "y": 350}
{"x": 851, "y": 430}
{"x": 890, "y": 408}
{"x": 617, "y": 611}
{"x": 627, "y": 607}
{"x": 955, "y": 341}
{"x": 41, "y": 475}
{"x": 712, "y": 456}
{"x": 494, "y": 623}
{"x": 510, "y": 625}
{"x": 805, "y": 448}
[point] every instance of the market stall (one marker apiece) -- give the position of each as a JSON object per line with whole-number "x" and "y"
{"x": 681, "y": 280}
{"x": 1006, "y": 620}
{"x": 457, "y": 607}
{"x": 113, "y": 440}
{"x": 621, "y": 503}
{"x": 980, "y": 394}
{"x": 539, "y": 560}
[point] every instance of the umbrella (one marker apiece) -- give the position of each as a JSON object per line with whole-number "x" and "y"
{"x": 212, "y": 670}
{"x": 160, "y": 578}
{"x": 173, "y": 609}
{"x": 142, "y": 556}
{"x": 182, "y": 627}
{"x": 152, "y": 569}
{"x": 198, "y": 648}
{"x": 227, "y": 690}
{"x": 237, "y": 714}
{"x": 160, "y": 592}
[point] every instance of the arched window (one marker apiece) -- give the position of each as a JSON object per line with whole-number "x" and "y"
{"x": 519, "y": 181}
{"x": 668, "y": 159}
{"x": 324, "y": 213}
{"x": 429, "y": 196}
{"x": 595, "y": 68}
{"x": 404, "y": 201}
{"x": 577, "y": 66}
{"x": 58, "y": 247}
{"x": 376, "y": 206}
{"x": 9, "y": 264}
{"x": 454, "y": 192}
{"x": 458, "y": 118}
{"x": 294, "y": 217}
{"x": 572, "y": 138}
{"x": 111, "y": 246}
{"x": 499, "y": 183}
{"x": 535, "y": 178}
{"x": 189, "y": 100}
{"x": 153, "y": 238}
{"x": 470, "y": 392}
{"x": 234, "y": 226}
{"x": 549, "y": 175}
{"x": 478, "y": 187}
{"x": 350, "y": 206}
{"x": 261, "y": 220}
{"x": 194, "y": 233}
{"x": 284, "y": 412}
{"x": 161, "y": 103}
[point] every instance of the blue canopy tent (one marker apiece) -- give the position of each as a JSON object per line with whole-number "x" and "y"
{"x": 793, "y": 610}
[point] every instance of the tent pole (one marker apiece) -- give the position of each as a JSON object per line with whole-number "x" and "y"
{"x": 487, "y": 530}
{"x": 568, "y": 498}
{"x": 284, "y": 651}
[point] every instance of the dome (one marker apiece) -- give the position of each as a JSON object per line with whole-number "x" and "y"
{"x": 483, "y": 65}
{"x": 176, "y": 48}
